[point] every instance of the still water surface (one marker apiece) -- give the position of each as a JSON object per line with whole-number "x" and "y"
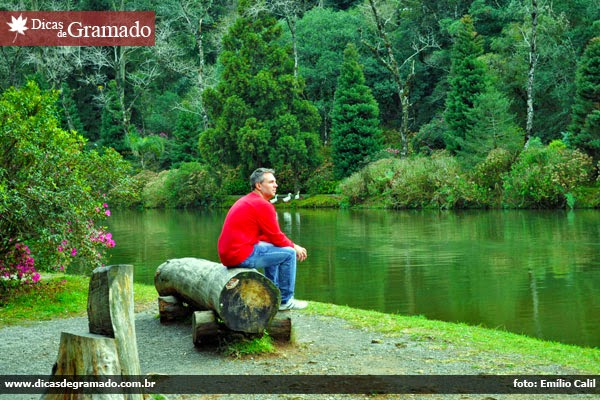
{"x": 531, "y": 272}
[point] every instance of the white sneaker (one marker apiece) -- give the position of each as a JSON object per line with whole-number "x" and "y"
{"x": 293, "y": 304}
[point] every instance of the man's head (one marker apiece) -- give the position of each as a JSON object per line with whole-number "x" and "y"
{"x": 263, "y": 181}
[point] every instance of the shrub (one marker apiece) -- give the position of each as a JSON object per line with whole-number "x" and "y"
{"x": 53, "y": 192}
{"x": 543, "y": 176}
{"x": 419, "y": 182}
{"x": 154, "y": 194}
{"x": 191, "y": 185}
{"x": 18, "y": 267}
{"x": 487, "y": 176}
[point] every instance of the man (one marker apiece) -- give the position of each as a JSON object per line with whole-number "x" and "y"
{"x": 251, "y": 238}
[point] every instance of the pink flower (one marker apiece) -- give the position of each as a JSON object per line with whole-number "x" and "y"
{"x": 105, "y": 205}
{"x": 35, "y": 277}
{"x": 73, "y": 252}
{"x": 107, "y": 212}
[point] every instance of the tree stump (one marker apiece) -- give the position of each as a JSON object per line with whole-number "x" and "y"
{"x": 110, "y": 348}
{"x": 244, "y": 299}
{"x": 86, "y": 355}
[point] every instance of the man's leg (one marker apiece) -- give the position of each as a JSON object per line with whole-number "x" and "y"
{"x": 279, "y": 264}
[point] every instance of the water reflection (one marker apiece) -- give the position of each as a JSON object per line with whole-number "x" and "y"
{"x": 525, "y": 271}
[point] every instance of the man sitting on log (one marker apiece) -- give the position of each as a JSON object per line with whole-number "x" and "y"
{"x": 251, "y": 238}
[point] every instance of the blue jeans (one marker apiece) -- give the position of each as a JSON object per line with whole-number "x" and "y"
{"x": 279, "y": 264}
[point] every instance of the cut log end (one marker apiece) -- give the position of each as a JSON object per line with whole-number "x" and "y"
{"x": 249, "y": 302}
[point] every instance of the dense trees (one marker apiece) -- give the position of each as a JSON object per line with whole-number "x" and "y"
{"x": 585, "y": 127}
{"x": 355, "y": 132}
{"x": 258, "y": 113}
{"x": 255, "y": 85}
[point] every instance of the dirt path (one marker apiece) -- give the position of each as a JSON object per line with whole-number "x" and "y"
{"x": 323, "y": 346}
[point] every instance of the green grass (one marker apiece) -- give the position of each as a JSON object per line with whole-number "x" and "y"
{"x": 501, "y": 345}
{"x": 57, "y": 296}
{"x": 250, "y": 347}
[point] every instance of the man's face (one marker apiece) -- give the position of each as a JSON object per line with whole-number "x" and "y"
{"x": 268, "y": 187}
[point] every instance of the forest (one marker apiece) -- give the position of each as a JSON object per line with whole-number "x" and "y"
{"x": 397, "y": 103}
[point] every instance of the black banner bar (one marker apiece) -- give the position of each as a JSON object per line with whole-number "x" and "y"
{"x": 303, "y": 384}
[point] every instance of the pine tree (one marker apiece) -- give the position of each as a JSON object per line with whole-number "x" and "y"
{"x": 492, "y": 126}
{"x": 466, "y": 80}
{"x": 355, "y": 132}
{"x": 585, "y": 125}
{"x": 258, "y": 115}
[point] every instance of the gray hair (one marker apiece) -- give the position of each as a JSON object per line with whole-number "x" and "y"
{"x": 258, "y": 176}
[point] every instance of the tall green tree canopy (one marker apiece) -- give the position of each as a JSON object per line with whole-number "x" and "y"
{"x": 585, "y": 126}
{"x": 466, "y": 80}
{"x": 258, "y": 115}
{"x": 355, "y": 132}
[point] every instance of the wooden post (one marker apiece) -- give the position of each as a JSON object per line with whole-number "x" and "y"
{"x": 110, "y": 312}
{"x": 110, "y": 348}
{"x": 243, "y": 298}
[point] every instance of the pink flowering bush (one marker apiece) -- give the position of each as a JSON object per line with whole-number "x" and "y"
{"x": 17, "y": 267}
{"x": 54, "y": 191}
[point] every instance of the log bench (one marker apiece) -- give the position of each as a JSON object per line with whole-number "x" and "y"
{"x": 220, "y": 300}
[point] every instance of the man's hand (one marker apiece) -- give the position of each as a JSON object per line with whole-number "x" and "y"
{"x": 300, "y": 252}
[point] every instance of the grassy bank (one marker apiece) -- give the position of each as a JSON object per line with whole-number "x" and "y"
{"x": 62, "y": 297}
{"x": 56, "y": 296}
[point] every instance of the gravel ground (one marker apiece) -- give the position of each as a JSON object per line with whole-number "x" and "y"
{"x": 323, "y": 346}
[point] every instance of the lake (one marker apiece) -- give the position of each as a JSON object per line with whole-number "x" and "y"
{"x": 530, "y": 272}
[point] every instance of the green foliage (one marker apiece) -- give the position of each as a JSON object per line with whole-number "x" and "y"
{"x": 491, "y": 126}
{"x": 191, "y": 185}
{"x": 147, "y": 150}
{"x": 259, "y": 117}
{"x": 418, "y": 182}
{"x": 53, "y": 193}
{"x": 355, "y": 132}
{"x": 467, "y": 81}
{"x": 154, "y": 193}
{"x": 487, "y": 176}
{"x": 183, "y": 147}
{"x": 112, "y": 132}
{"x": 542, "y": 177}
{"x": 585, "y": 126}
{"x": 322, "y": 36}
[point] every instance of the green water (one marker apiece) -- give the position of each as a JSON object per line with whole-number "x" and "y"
{"x": 531, "y": 272}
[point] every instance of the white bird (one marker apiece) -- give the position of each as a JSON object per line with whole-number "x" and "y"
{"x": 287, "y": 198}
{"x": 297, "y": 196}
{"x": 274, "y": 199}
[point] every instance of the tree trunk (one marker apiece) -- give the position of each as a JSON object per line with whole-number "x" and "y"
{"x": 244, "y": 299}
{"x": 533, "y": 58}
{"x": 86, "y": 355}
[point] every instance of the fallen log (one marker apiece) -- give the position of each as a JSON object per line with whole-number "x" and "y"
{"x": 170, "y": 309}
{"x": 205, "y": 328}
{"x": 244, "y": 299}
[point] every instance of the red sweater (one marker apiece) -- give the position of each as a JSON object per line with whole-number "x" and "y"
{"x": 250, "y": 220}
